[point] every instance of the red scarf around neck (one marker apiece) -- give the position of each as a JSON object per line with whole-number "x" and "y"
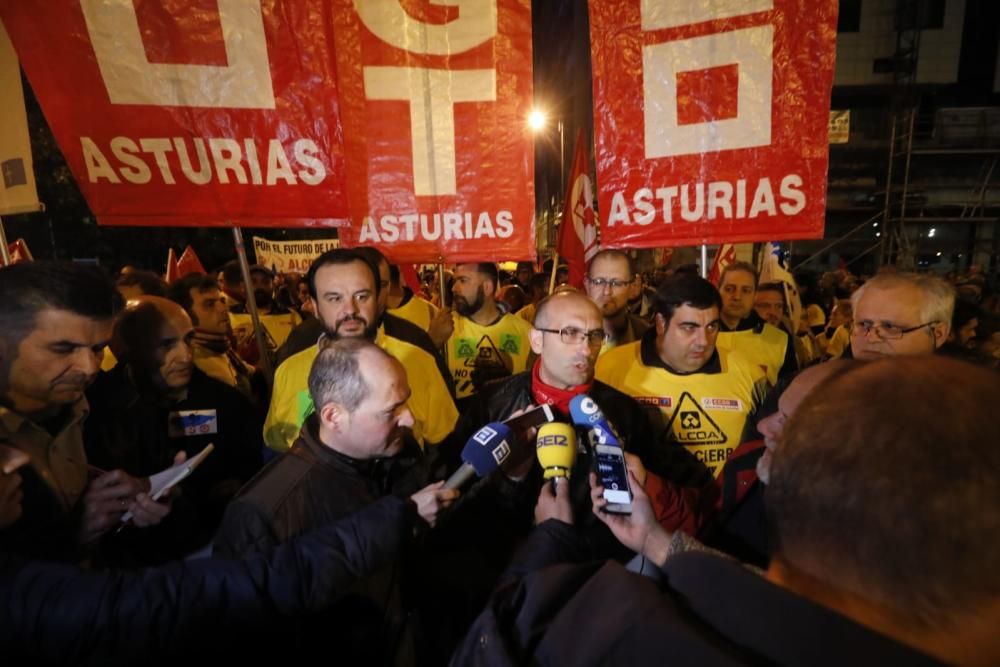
{"x": 554, "y": 396}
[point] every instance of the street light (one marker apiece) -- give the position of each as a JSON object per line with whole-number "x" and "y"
{"x": 537, "y": 121}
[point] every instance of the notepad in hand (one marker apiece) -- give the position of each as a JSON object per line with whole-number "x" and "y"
{"x": 165, "y": 480}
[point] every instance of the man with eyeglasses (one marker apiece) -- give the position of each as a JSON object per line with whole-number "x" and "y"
{"x": 901, "y": 314}
{"x": 699, "y": 396}
{"x": 567, "y": 337}
{"x": 609, "y": 277}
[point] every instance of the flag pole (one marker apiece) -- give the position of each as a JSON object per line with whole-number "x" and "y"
{"x": 555, "y": 267}
{"x": 4, "y": 250}
{"x": 441, "y": 281}
{"x": 258, "y": 329}
{"x": 704, "y": 261}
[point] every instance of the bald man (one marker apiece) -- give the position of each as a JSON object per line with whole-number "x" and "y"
{"x": 567, "y": 336}
{"x": 157, "y": 404}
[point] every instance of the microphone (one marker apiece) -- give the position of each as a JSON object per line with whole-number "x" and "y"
{"x": 556, "y": 449}
{"x": 483, "y": 453}
{"x": 587, "y": 415}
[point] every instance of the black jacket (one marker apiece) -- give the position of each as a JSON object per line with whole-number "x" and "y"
{"x": 306, "y": 487}
{"x": 141, "y": 432}
{"x": 205, "y": 610}
{"x": 709, "y": 611}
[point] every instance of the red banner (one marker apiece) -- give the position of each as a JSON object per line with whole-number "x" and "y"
{"x": 435, "y": 98}
{"x": 190, "y": 112}
{"x": 711, "y": 119}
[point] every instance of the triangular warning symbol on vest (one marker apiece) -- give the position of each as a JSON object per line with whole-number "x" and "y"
{"x": 691, "y": 425}
{"x": 487, "y": 356}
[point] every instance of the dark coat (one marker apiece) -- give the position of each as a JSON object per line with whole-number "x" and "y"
{"x": 709, "y": 611}
{"x": 205, "y": 610}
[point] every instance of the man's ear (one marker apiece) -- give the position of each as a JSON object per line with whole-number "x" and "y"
{"x": 332, "y": 416}
{"x": 940, "y": 332}
{"x": 535, "y": 338}
{"x": 661, "y": 325}
{"x": 490, "y": 288}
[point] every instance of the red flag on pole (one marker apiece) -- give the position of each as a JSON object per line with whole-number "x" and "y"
{"x": 172, "y": 273}
{"x": 410, "y": 277}
{"x": 577, "y": 241}
{"x": 724, "y": 256}
{"x": 189, "y": 263}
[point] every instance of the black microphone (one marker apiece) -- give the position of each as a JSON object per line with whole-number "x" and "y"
{"x": 483, "y": 453}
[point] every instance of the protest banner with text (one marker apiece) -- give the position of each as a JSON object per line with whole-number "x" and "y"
{"x": 435, "y": 98}
{"x": 711, "y": 119}
{"x": 290, "y": 256}
{"x": 200, "y": 112}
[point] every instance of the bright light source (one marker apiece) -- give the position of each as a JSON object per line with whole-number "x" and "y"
{"x": 536, "y": 120}
{"x": 874, "y": 224}
{"x": 878, "y": 234}
{"x": 930, "y": 234}
{"x": 939, "y": 253}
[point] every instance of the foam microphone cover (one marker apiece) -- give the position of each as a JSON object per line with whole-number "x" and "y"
{"x": 556, "y": 449}
{"x": 487, "y": 448}
{"x": 586, "y": 414}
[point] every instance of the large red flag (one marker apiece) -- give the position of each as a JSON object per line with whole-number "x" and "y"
{"x": 577, "y": 241}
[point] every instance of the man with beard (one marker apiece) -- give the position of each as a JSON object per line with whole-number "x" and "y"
{"x": 156, "y": 404}
{"x": 276, "y": 320}
{"x": 353, "y": 450}
{"x": 345, "y": 287}
{"x": 609, "y": 278}
{"x": 484, "y": 343}
{"x": 56, "y": 323}
{"x": 214, "y": 355}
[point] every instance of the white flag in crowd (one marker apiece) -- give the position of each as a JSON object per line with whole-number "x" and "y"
{"x": 775, "y": 271}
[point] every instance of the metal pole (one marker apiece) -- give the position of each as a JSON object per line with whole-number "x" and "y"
{"x": 555, "y": 267}
{"x": 441, "y": 281}
{"x": 562, "y": 168}
{"x": 4, "y": 251}
{"x": 258, "y": 329}
{"x": 704, "y": 261}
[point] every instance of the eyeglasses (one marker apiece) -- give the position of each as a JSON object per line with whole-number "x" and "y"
{"x": 886, "y": 331}
{"x": 574, "y": 336}
{"x": 614, "y": 283}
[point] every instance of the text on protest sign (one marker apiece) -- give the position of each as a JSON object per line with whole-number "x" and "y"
{"x": 213, "y": 113}
{"x": 434, "y": 102}
{"x": 290, "y": 256}
{"x": 711, "y": 119}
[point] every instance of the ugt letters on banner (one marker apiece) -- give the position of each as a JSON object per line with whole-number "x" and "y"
{"x": 435, "y": 98}
{"x": 194, "y": 113}
{"x": 711, "y": 119}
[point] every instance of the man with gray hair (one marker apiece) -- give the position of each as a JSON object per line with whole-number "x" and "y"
{"x": 350, "y": 452}
{"x": 901, "y": 314}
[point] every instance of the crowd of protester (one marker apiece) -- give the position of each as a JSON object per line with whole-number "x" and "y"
{"x": 815, "y": 472}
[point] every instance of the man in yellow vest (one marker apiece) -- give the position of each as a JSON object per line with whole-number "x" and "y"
{"x": 698, "y": 396}
{"x": 484, "y": 343}
{"x": 743, "y": 329}
{"x": 345, "y": 286}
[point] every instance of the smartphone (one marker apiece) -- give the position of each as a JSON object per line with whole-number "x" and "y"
{"x": 536, "y": 416}
{"x": 611, "y": 470}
